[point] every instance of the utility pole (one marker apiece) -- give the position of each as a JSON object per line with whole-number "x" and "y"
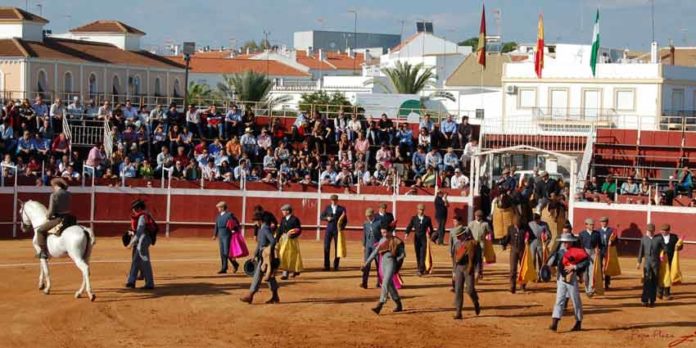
{"x": 268, "y": 50}
{"x": 355, "y": 38}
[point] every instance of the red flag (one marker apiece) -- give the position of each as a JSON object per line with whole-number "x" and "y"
{"x": 539, "y": 51}
{"x": 481, "y": 49}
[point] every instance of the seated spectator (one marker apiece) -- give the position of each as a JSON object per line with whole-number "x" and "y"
{"x": 424, "y": 139}
{"x": 33, "y": 167}
{"x": 328, "y": 176}
{"x": 341, "y": 125}
{"x": 26, "y": 146}
{"x": 70, "y": 174}
{"x": 418, "y": 161}
{"x": 645, "y": 187}
{"x": 443, "y": 180}
{"x": 75, "y": 109}
{"x": 470, "y": 149}
{"x": 451, "y": 160}
{"x": 306, "y": 180}
{"x": 7, "y": 161}
{"x": 685, "y": 183}
{"x": 109, "y": 174}
{"x": 60, "y": 145}
{"x": 448, "y": 132}
{"x": 264, "y": 140}
{"x": 213, "y": 120}
{"x": 609, "y": 186}
{"x": 591, "y": 186}
{"x": 459, "y": 181}
{"x": 96, "y": 157}
{"x": 254, "y": 175}
{"x": 241, "y": 170}
{"x": 384, "y": 156}
{"x": 429, "y": 177}
{"x": 434, "y": 159}
{"x": 209, "y": 171}
{"x": 7, "y": 135}
{"x": 629, "y": 187}
{"x": 354, "y": 127}
{"x": 127, "y": 169}
{"x": 386, "y": 130}
{"x": 269, "y": 162}
{"x": 178, "y": 173}
{"x": 282, "y": 153}
{"x": 426, "y": 123}
{"x": 215, "y": 147}
{"x": 146, "y": 171}
{"x": 344, "y": 178}
{"x": 380, "y": 175}
{"x": 248, "y": 141}
{"x": 465, "y": 131}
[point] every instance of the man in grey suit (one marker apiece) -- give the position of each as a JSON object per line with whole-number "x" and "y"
{"x": 590, "y": 240}
{"x": 567, "y": 279}
{"x": 392, "y": 253}
{"x": 650, "y": 247}
{"x": 371, "y": 235}
{"x": 465, "y": 257}
{"x": 265, "y": 256}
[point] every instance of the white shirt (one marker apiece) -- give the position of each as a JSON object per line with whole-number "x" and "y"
{"x": 666, "y": 238}
{"x": 333, "y": 209}
{"x": 459, "y": 181}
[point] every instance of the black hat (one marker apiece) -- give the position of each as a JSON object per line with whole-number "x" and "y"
{"x": 126, "y": 239}
{"x": 249, "y": 267}
{"x": 545, "y": 273}
{"x": 138, "y": 204}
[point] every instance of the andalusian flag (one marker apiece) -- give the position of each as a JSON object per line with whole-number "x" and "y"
{"x": 595, "y": 44}
{"x": 539, "y": 53}
{"x": 481, "y": 49}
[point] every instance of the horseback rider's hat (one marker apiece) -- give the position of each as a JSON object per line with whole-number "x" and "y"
{"x": 138, "y": 204}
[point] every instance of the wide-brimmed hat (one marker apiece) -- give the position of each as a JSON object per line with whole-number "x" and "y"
{"x": 59, "y": 182}
{"x": 567, "y": 237}
{"x": 138, "y": 204}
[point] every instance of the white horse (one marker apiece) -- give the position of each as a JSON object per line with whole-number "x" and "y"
{"x": 75, "y": 241}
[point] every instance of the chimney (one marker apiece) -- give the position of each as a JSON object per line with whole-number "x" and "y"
{"x": 322, "y": 56}
{"x": 672, "y": 53}
{"x": 310, "y": 51}
{"x": 653, "y": 53}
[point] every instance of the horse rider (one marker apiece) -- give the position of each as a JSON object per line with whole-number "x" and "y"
{"x": 58, "y": 209}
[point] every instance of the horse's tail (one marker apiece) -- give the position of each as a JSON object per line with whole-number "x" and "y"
{"x": 91, "y": 241}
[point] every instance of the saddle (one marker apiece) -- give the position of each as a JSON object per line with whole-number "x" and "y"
{"x": 66, "y": 221}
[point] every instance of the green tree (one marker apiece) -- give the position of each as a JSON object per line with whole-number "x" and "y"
{"x": 199, "y": 94}
{"x": 249, "y": 86}
{"x": 406, "y": 78}
{"x": 473, "y": 42}
{"x": 324, "y": 101}
{"x": 509, "y": 46}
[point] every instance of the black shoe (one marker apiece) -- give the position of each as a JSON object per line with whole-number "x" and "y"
{"x": 577, "y": 326}
{"x": 363, "y": 285}
{"x": 147, "y": 287}
{"x": 235, "y": 266}
{"x": 378, "y": 308}
{"x": 458, "y": 316}
{"x": 645, "y": 304}
{"x": 513, "y": 290}
{"x": 284, "y": 277}
{"x": 295, "y": 274}
{"x": 130, "y": 285}
{"x": 399, "y": 307}
{"x": 274, "y": 299}
{"x": 327, "y": 269}
{"x": 652, "y": 304}
{"x": 477, "y": 308}
{"x": 221, "y": 272}
{"x": 659, "y": 296}
{"x": 378, "y": 286}
{"x": 554, "y": 324}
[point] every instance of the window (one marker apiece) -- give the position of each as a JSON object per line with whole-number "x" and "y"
{"x": 559, "y": 102}
{"x": 526, "y": 98}
{"x": 42, "y": 83}
{"x": 677, "y": 101}
{"x": 93, "y": 86}
{"x": 115, "y": 86}
{"x": 624, "y": 99}
{"x": 134, "y": 85}
{"x": 158, "y": 88}
{"x": 591, "y": 103}
{"x": 68, "y": 83}
{"x": 177, "y": 89}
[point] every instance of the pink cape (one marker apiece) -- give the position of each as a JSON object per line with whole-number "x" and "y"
{"x": 238, "y": 247}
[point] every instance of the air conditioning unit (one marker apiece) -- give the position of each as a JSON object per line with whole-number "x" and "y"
{"x": 511, "y": 89}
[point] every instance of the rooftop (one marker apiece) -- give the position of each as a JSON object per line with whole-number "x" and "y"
{"x": 211, "y": 65}
{"x": 13, "y": 14}
{"x": 107, "y": 26}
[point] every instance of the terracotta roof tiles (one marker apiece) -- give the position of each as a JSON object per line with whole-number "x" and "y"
{"x": 206, "y": 65}
{"x": 11, "y": 14}
{"x": 107, "y": 26}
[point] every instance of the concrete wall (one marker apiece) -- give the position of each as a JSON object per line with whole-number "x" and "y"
{"x": 330, "y": 40}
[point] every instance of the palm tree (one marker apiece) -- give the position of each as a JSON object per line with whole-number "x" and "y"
{"x": 250, "y": 87}
{"x": 407, "y": 78}
{"x": 198, "y": 93}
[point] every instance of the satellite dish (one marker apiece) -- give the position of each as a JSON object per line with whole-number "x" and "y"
{"x": 332, "y": 44}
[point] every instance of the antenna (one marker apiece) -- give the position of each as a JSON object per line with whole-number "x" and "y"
{"x": 652, "y": 16}
{"x": 498, "y": 13}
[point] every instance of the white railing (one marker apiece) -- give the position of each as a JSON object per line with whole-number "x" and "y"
{"x": 108, "y": 140}
{"x": 586, "y": 159}
{"x": 3, "y": 167}
{"x": 68, "y": 133}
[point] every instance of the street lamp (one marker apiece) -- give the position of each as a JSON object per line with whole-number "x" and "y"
{"x": 189, "y": 49}
{"x": 355, "y": 37}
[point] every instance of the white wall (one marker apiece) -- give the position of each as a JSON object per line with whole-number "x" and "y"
{"x": 302, "y": 40}
{"x": 24, "y": 30}
{"x": 425, "y": 44}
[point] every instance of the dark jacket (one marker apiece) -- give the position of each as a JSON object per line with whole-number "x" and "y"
{"x": 604, "y": 235}
{"x": 371, "y": 232}
{"x": 59, "y": 203}
{"x": 670, "y": 246}
{"x": 650, "y": 249}
{"x": 556, "y": 260}
{"x": 386, "y": 220}
{"x": 332, "y": 226}
{"x": 264, "y": 239}
{"x": 515, "y": 238}
{"x": 589, "y": 241}
{"x": 420, "y": 228}
{"x": 287, "y": 224}
{"x": 440, "y": 208}
{"x": 221, "y": 221}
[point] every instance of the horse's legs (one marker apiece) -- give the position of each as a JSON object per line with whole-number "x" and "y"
{"x": 84, "y": 267}
{"x": 47, "y": 276}
{"x": 81, "y": 289}
{"x": 41, "y": 277}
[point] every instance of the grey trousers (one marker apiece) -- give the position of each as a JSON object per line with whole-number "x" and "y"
{"x": 461, "y": 279}
{"x": 366, "y": 271}
{"x": 224, "y": 244}
{"x": 258, "y": 275}
{"x": 141, "y": 262}
{"x": 588, "y": 276}
{"x": 388, "y": 289}
{"x": 563, "y": 292}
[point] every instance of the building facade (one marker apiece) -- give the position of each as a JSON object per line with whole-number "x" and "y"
{"x": 341, "y": 40}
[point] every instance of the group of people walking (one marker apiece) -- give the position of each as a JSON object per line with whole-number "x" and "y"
{"x": 588, "y": 257}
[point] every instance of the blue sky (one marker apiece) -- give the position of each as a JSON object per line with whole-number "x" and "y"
{"x": 624, "y": 23}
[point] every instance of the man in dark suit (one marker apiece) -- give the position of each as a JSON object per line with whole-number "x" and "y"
{"x": 332, "y": 214}
{"x": 605, "y": 233}
{"x": 669, "y": 244}
{"x": 543, "y": 190}
{"x": 590, "y": 240}
{"x": 650, "y": 247}
{"x": 515, "y": 238}
{"x": 421, "y": 224}
{"x": 441, "y": 205}
{"x": 288, "y": 224}
{"x": 386, "y": 218}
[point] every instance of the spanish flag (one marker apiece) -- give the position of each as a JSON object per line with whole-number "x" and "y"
{"x": 341, "y": 248}
{"x": 481, "y": 49}
{"x": 539, "y": 50}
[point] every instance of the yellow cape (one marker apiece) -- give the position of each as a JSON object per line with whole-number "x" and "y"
{"x": 665, "y": 278}
{"x": 428, "y": 256}
{"x": 676, "y": 275}
{"x": 598, "y": 275}
{"x": 527, "y": 271}
{"x": 488, "y": 252}
{"x": 612, "y": 267}
{"x": 341, "y": 249}
{"x": 289, "y": 253}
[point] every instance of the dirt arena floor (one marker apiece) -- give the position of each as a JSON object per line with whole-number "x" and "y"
{"x": 193, "y": 307}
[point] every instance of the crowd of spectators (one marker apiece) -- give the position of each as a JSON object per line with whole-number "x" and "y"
{"x": 228, "y": 145}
